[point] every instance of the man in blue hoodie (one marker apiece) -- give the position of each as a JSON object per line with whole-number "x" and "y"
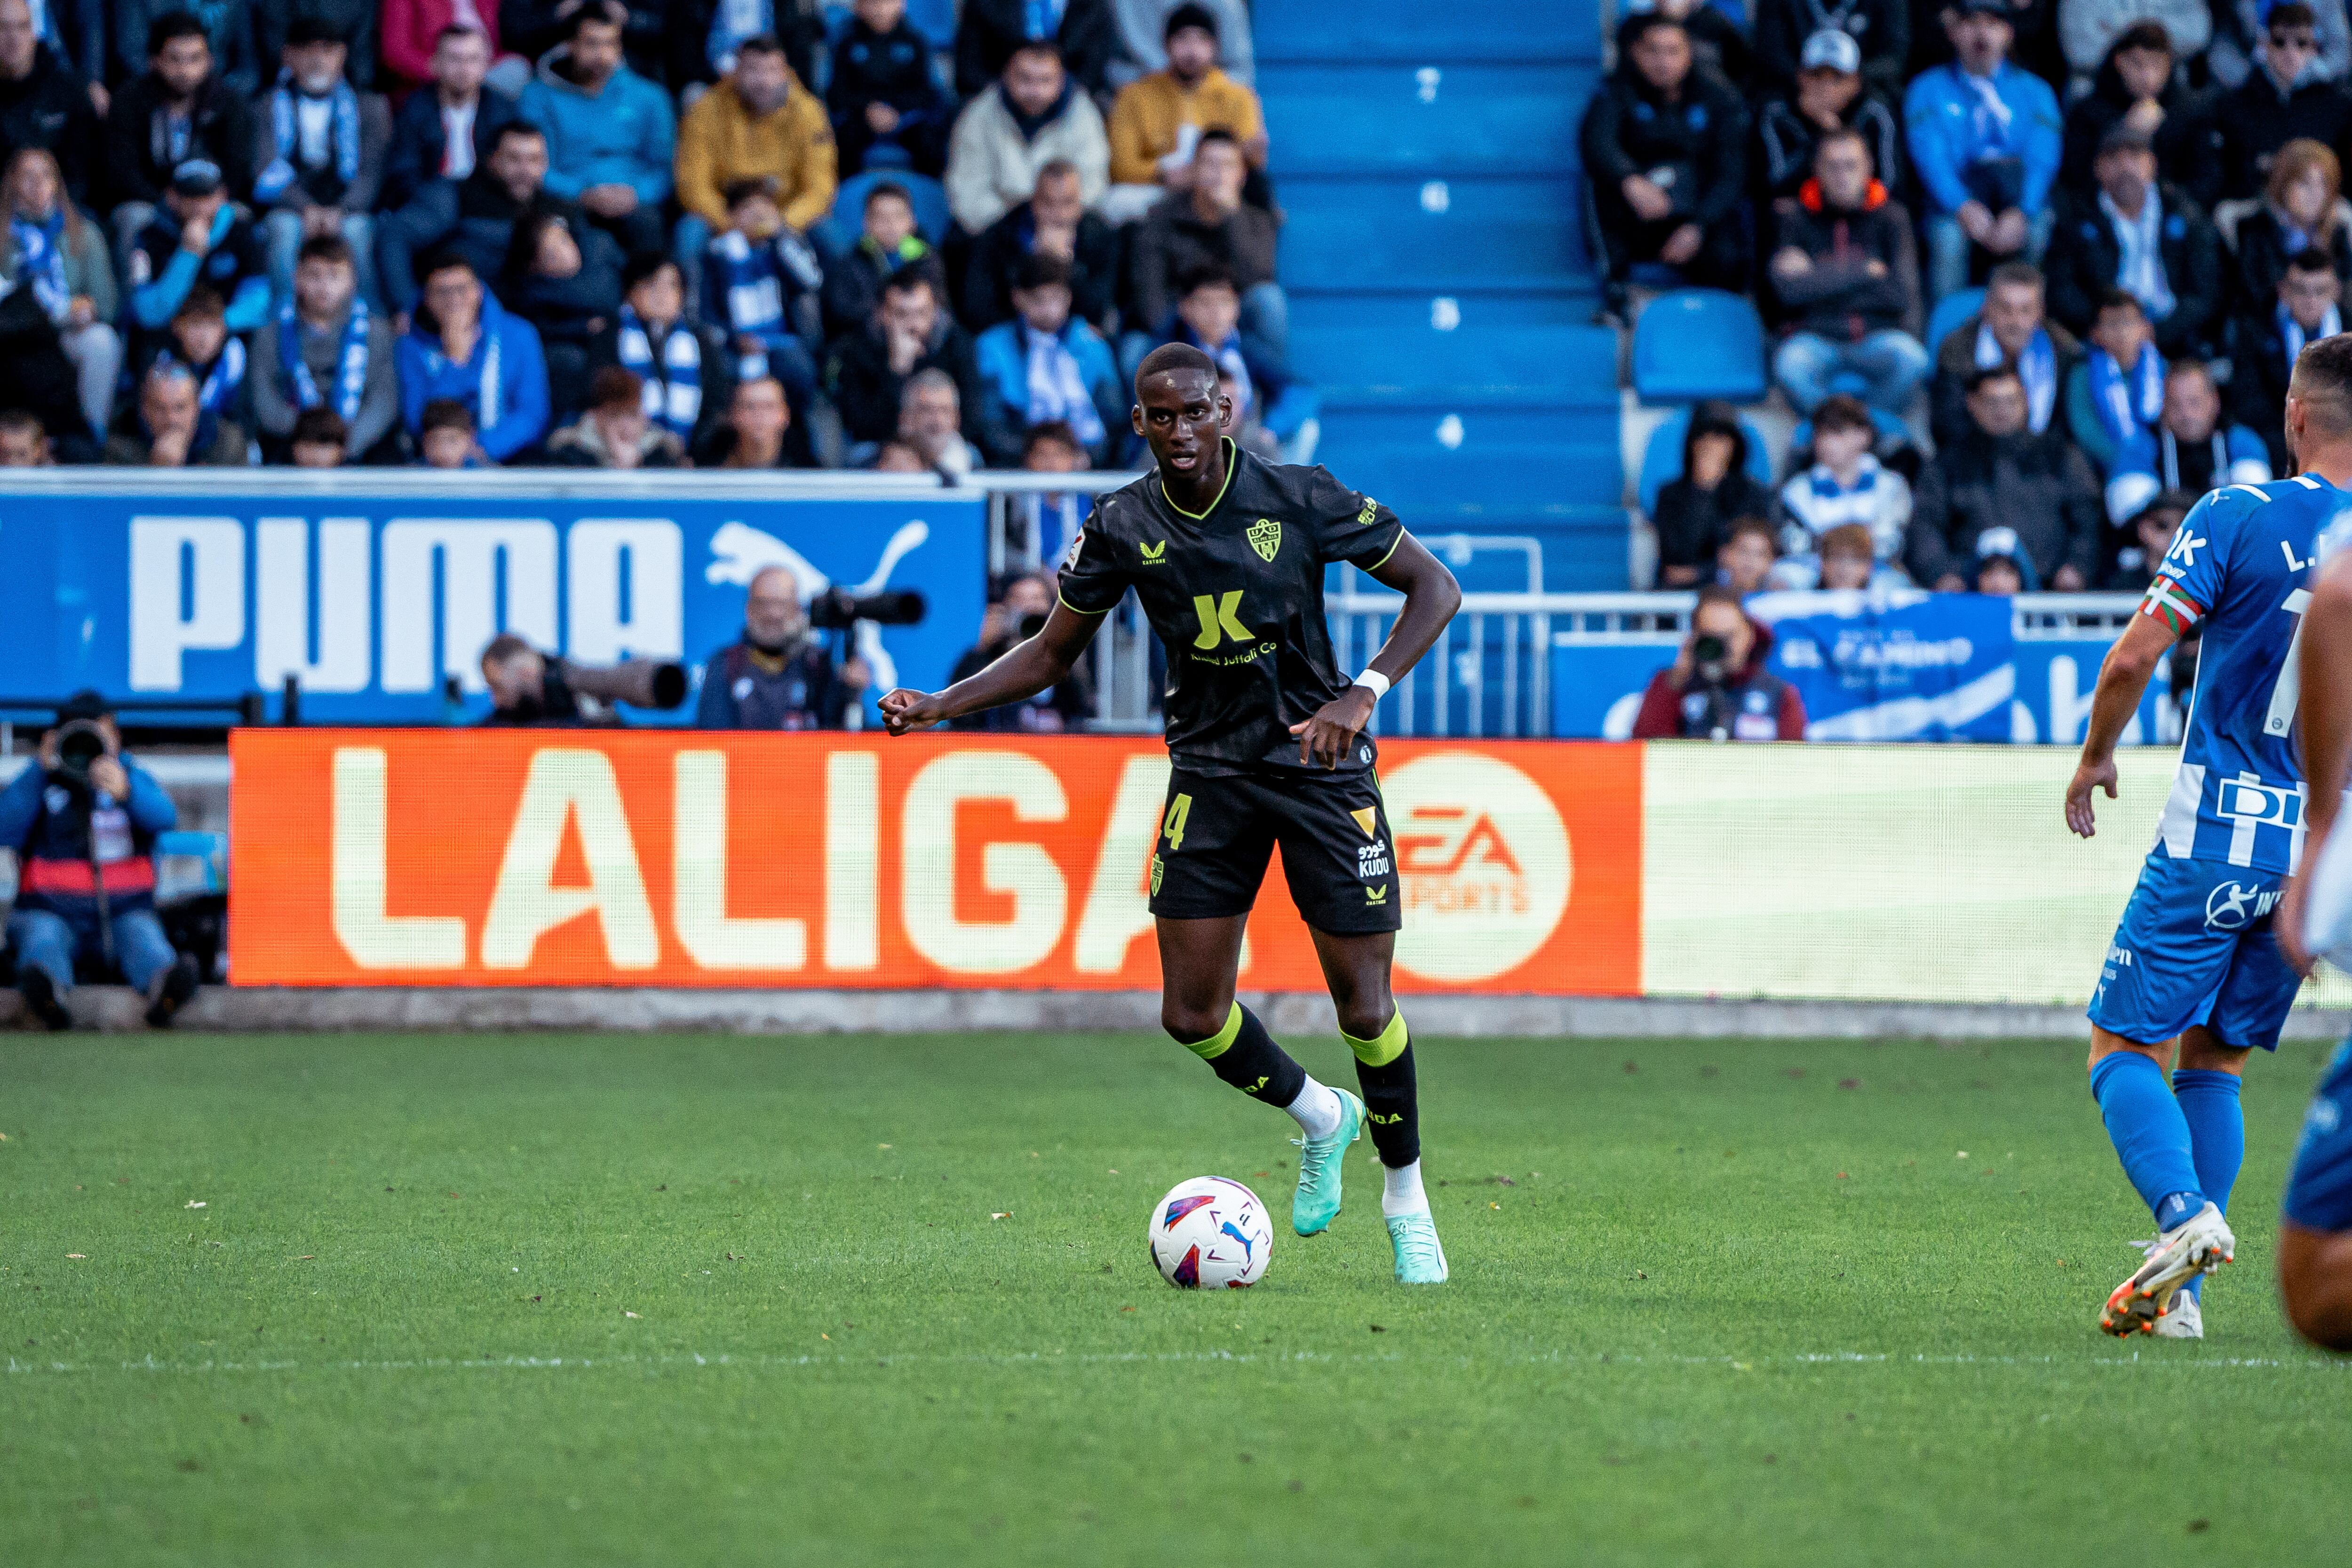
{"x": 82, "y": 819}
{"x": 465, "y": 348}
{"x": 612, "y": 138}
{"x": 1986, "y": 141}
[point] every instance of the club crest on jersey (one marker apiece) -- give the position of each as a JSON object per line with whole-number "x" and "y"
{"x": 1266, "y": 537}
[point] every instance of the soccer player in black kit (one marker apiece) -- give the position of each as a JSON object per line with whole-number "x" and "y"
{"x": 1227, "y": 555}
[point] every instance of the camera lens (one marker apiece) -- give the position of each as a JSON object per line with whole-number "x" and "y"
{"x": 1709, "y": 650}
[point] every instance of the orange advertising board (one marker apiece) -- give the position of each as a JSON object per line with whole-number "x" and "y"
{"x": 578, "y": 858}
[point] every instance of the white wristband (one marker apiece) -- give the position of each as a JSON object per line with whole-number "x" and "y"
{"x": 1373, "y": 681}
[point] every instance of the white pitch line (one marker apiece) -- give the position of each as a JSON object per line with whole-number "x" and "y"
{"x": 760, "y": 1360}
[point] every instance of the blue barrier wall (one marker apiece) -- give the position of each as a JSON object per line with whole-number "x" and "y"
{"x": 373, "y": 590}
{"x": 1596, "y": 689}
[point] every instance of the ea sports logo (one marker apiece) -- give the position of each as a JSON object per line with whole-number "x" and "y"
{"x": 1485, "y": 861}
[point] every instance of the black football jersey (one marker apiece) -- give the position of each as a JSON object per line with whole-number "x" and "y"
{"x": 1237, "y": 596}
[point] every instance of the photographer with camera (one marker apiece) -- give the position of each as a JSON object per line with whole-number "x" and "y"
{"x": 1017, "y": 617}
{"x": 1718, "y": 687}
{"x": 83, "y": 821}
{"x": 530, "y": 688}
{"x": 782, "y": 676}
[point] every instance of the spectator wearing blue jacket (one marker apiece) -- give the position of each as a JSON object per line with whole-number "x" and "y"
{"x": 1046, "y": 367}
{"x": 465, "y": 347}
{"x": 200, "y": 237}
{"x": 82, "y": 819}
{"x": 2188, "y": 448}
{"x": 612, "y": 138}
{"x": 1986, "y": 141}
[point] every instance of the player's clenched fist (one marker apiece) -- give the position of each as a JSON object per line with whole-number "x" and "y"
{"x": 905, "y": 711}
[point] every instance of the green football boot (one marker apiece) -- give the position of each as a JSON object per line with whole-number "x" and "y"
{"x": 1317, "y": 1202}
{"x": 1420, "y": 1261}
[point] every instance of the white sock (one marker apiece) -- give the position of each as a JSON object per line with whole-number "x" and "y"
{"x": 1401, "y": 1190}
{"x": 1316, "y": 1110}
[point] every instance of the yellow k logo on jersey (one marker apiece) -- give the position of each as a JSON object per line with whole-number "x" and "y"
{"x": 1217, "y": 621}
{"x": 1153, "y": 554}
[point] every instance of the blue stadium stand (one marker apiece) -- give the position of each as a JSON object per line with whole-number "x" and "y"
{"x": 1696, "y": 343}
{"x": 1442, "y": 295}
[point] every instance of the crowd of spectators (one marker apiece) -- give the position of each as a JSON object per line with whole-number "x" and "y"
{"x": 582, "y": 233}
{"x": 2147, "y": 192}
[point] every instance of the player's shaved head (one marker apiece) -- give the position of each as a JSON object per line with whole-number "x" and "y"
{"x": 1174, "y": 359}
{"x": 2320, "y": 397}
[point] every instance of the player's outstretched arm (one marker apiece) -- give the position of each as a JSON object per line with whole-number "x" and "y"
{"x": 2122, "y": 678}
{"x": 1037, "y": 663}
{"x": 1431, "y": 597}
{"x": 2323, "y": 719}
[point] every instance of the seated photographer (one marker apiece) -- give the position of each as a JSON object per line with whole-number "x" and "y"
{"x": 529, "y": 688}
{"x": 83, "y": 821}
{"x": 1718, "y": 687}
{"x": 780, "y": 676}
{"x": 1014, "y": 618}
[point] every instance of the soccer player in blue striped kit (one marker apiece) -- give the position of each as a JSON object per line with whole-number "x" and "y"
{"x": 2194, "y": 968}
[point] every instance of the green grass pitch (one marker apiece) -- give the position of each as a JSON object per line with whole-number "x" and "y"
{"x": 689, "y": 1300}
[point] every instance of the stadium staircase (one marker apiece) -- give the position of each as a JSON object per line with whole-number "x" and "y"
{"x": 1440, "y": 282}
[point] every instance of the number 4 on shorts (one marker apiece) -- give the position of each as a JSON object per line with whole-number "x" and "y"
{"x": 1172, "y": 829}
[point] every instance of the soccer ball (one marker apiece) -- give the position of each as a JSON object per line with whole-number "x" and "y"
{"x": 1209, "y": 1232}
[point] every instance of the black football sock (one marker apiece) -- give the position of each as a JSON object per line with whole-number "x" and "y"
{"x": 1384, "y": 1072}
{"x": 1246, "y": 1055}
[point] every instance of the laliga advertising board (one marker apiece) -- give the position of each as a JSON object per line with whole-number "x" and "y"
{"x": 372, "y": 592}
{"x": 599, "y": 858}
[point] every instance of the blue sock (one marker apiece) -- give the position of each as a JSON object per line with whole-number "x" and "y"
{"x": 2217, "y": 1132}
{"x": 2150, "y": 1134}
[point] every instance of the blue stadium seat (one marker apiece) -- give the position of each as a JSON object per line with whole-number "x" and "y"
{"x": 1464, "y": 367}
{"x": 1525, "y": 458}
{"x": 1699, "y": 343}
{"x": 1400, "y": 120}
{"x": 1949, "y": 312}
{"x": 935, "y": 19}
{"x": 1431, "y": 235}
{"x": 1419, "y": 34}
{"x": 837, "y": 230}
{"x": 1563, "y": 300}
{"x": 1662, "y": 459}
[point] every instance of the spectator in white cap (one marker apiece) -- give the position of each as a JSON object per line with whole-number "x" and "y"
{"x": 1786, "y": 31}
{"x": 1828, "y": 93}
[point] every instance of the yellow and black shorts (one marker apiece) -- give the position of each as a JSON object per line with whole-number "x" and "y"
{"x": 1338, "y": 855}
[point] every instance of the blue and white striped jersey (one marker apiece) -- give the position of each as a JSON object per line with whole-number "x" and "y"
{"x": 2241, "y": 568}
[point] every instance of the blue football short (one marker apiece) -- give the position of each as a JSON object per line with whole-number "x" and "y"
{"x": 2319, "y": 1183}
{"x": 2195, "y": 947}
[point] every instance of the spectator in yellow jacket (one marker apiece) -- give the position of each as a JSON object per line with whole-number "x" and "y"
{"x": 1158, "y": 119}
{"x": 758, "y": 122}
